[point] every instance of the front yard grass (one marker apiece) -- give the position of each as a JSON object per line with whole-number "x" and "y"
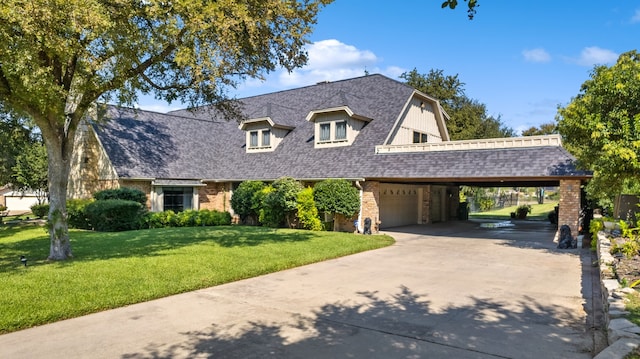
{"x": 111, "y": 270}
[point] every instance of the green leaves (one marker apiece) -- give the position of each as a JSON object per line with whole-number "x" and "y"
{"x": 337, "y": 196}
{"x": 472, "y": 5}
{"x": 601, "y": 127}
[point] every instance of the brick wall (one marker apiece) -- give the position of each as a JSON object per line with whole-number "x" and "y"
{"x": 569, "y": 206}
{"x": 215, "y": 196}
{"x": 144, "y": 186}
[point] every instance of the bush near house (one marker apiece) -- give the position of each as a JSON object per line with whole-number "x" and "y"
{"x": 40, "y": 210}
{"x": 124, "y": 193}
{"x": 246, "y": 203}
{"x": 76, "y": 215}
{"x": 280, "y": 203}
{"x": 337, "y": 196}
{"x": 189, "y": 218}
{"x": 285, "y": 202}
{"x": 307, "y": 211}
{"x": 114, "y": 215}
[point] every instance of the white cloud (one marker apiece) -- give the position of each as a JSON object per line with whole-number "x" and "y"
{"x": 158, "y": 107}
{"x": 329, "y": 60}
{"x": 636, "y": 17}
{"x": 536, "y": 55}
{"x": 594, "y": 55}
{"x": 332, "y": 60}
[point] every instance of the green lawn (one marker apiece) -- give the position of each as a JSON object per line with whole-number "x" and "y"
{"x": 538, "y": 212}
{"x": 111, "y": 270}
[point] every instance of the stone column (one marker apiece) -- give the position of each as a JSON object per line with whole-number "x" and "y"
{"x": 371, "y": 202}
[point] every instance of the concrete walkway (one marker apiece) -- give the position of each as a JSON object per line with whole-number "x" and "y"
{"x": 442, "y": 291}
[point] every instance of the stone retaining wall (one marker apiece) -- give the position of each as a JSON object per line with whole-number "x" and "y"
{"x": 622, "y": 335}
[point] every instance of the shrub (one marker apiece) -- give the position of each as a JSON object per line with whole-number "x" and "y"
{"x": 337, "y": 196}
{"x": 186, "y": 218}
{"x": 123, "y": 193}
{"x": 189, "y": 218}
{"x": 76, "y": 215}
{"x": 244, "y": 201}
{"x": 161, "y": 219}
{"x": 268, "y": 216}
{"x": 307, "y": 211}
{"x": 40, "y": 210}
{"x": 114, "y": 215}
{"x": 280, "y": 202}
{"x": 221, "y": 218}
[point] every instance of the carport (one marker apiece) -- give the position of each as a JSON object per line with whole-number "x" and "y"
{"x": 433, "y": 173}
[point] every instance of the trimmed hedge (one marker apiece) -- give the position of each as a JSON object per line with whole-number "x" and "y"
{"x": 113, "y": 215}
{"x": 188, "y": 218}
{"x": 124, "y": 193}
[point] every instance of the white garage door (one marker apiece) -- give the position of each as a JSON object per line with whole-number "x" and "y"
{"x": 398, "y": 205}
{"x": 20, "y": 203}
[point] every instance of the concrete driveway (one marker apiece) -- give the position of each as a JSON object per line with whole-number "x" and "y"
{"x": 452, "y": 290}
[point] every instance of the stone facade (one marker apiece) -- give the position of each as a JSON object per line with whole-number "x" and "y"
{"x": 371, "y": 203}
{"x": 426, "y": 204}
{"x": 569, "y": 206}
{"x": 91, "y": 170}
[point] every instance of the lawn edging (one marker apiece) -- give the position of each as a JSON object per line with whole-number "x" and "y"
{"x": 623, "y": 336}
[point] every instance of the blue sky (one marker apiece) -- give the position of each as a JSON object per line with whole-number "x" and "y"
{"x": 520, "y": 58}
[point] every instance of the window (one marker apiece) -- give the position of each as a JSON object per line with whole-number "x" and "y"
{"x": 253, "y": 139}
{"x": 325, "y": 132}
{"x": 341, "y": 130}
{"x": 419, "y": 137}
{"x": 177, "y": 199}
{"x": 260, "y": 139}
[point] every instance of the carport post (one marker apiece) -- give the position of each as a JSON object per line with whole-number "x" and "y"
{"x": 569, "y": 206}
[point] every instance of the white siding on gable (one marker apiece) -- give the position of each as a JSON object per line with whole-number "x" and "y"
{"x": 418, "y": 117}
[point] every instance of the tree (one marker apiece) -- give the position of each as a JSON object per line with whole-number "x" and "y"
{"x": 30, "y": 171}
{"x": 544, "y": 129}
{"x": 471, "y": 6}
{"x": 336, "y": 196}
{"x": 59, "y": 57}
{"x": 601, "y": 127}
{"x": 16, "y": 135}
{"x": 468, "y": 117}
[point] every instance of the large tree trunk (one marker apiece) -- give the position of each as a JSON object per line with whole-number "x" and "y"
{"x": 59, "y": 150}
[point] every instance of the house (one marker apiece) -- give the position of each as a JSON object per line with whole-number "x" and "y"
{"x": 17, "y": 202}
{"x": 389, "y": 139}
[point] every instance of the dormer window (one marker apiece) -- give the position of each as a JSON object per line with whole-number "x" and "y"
{"x": 336, "y": 126}
{"x": 260, "y": 139}
{"x": 263, "y": 135}
{"x": 332, "y": 131}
